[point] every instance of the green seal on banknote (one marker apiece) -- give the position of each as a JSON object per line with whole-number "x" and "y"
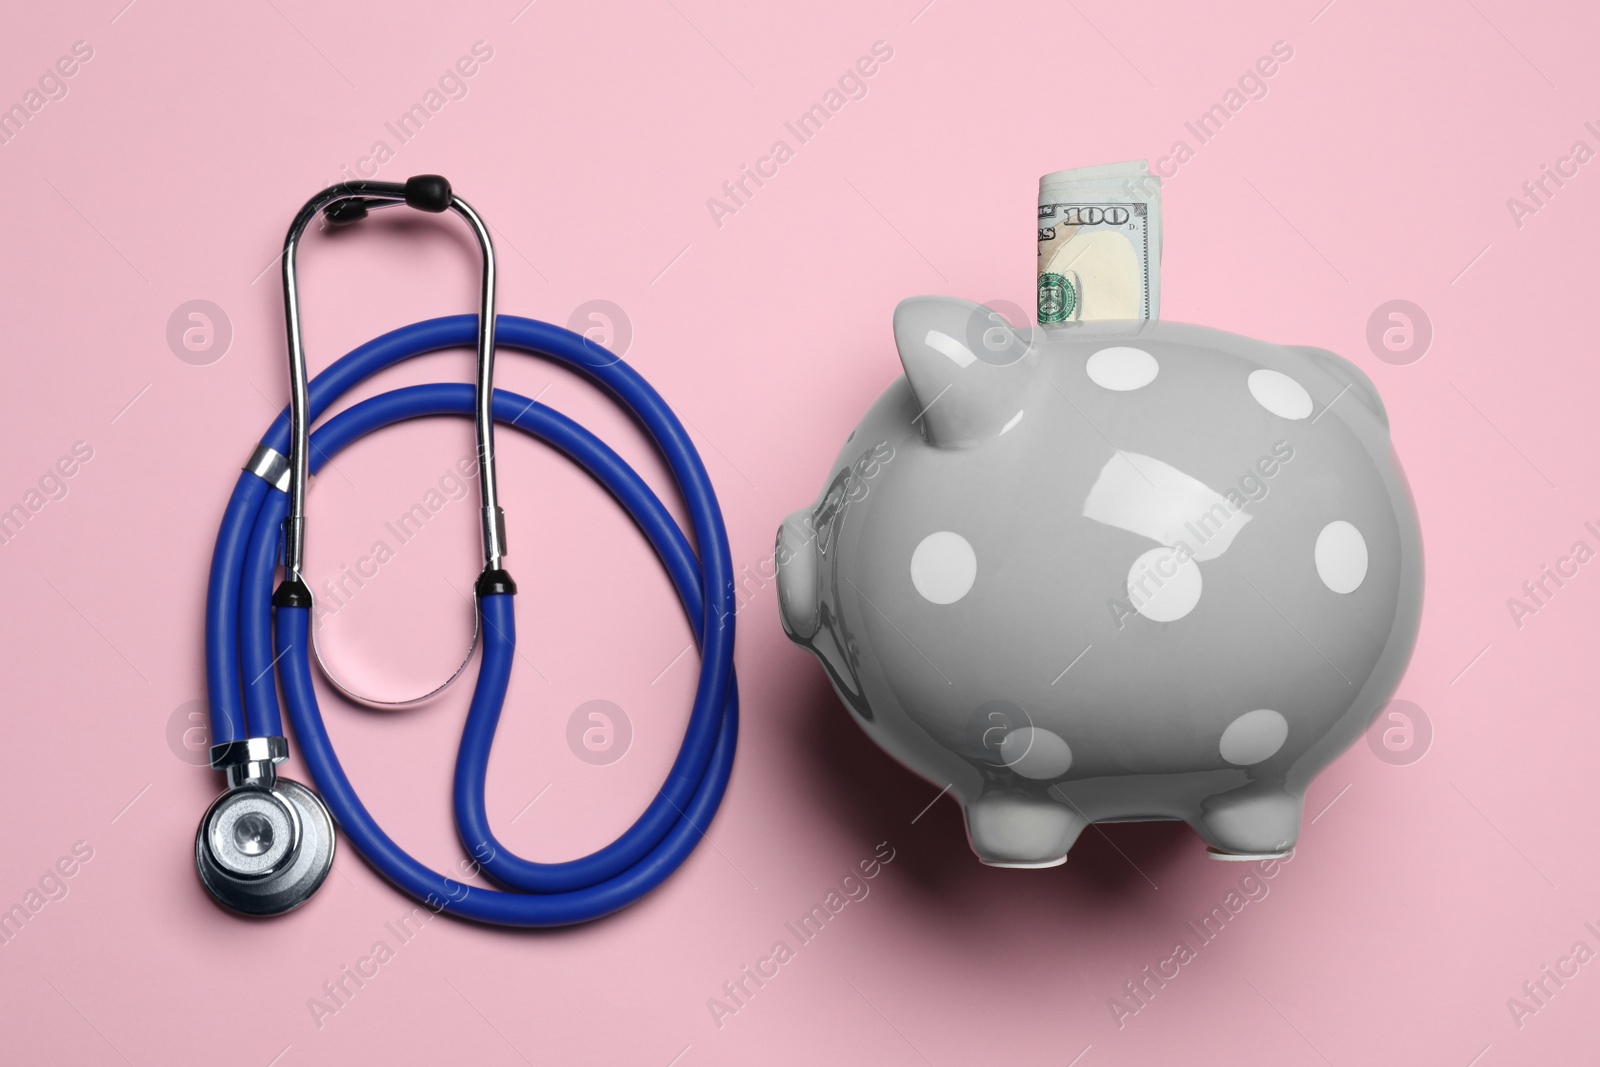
{"x": 1057, "y": 298}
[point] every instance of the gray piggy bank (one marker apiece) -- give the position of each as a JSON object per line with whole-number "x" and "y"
{"x": 1107, "y": 572}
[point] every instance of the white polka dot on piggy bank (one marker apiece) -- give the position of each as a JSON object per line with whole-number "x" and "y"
{"x": 1184, "y": 562}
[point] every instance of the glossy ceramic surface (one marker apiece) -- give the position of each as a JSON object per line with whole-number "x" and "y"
{"x": 1103, "y": 572}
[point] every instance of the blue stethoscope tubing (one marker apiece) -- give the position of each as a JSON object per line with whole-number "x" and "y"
{"x": 242, "y": 641}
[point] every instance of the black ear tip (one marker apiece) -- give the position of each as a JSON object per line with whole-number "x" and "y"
{"x": 345, "y": 212}
{"x": 428, "y": 192}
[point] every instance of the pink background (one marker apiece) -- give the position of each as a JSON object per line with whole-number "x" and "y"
{"x": 1377, "y": 167}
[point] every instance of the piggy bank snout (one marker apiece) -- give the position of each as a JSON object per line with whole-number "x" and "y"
{"x": 795, "y": 554}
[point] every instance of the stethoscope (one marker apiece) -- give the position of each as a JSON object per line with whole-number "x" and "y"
{"x": 266, "y": 843}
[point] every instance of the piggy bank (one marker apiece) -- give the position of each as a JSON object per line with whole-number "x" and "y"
{"x": 1107, "y": 572}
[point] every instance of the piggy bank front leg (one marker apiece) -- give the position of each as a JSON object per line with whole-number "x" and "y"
{"x": 1012, "y": 829}
{"x": 1257, "y": 821}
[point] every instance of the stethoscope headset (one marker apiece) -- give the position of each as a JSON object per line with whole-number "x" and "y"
{"x": 266, "y": 843}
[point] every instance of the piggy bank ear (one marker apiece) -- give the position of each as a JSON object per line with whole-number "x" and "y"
{"x": 1347, "y": 373}
{"x": 968, "y": 369}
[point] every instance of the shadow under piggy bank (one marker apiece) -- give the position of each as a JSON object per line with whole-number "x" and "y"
{"x": 870, "y": 800}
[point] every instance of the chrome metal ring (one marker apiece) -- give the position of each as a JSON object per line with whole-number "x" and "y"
{"x": 264, "y": 851}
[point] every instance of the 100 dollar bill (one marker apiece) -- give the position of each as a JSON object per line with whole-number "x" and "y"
{"x": 1099, "y": 244}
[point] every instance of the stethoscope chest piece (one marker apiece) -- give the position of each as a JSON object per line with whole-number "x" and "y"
{"x": 263, "y": 850}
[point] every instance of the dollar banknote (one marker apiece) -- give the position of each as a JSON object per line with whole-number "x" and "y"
{"x": 1100, "y": 244}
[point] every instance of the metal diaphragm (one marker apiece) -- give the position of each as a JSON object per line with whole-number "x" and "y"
{"x": 264, "y": 851}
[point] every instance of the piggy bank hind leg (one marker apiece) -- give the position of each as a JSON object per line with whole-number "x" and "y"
{"x": 1258, "y": 821}
{"x": 1010, "y": 829}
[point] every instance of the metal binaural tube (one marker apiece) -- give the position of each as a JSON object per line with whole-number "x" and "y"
{"x": 426, "y": 193}
{"x": 494, "y": 520}
{"x": 294, "y": 527}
